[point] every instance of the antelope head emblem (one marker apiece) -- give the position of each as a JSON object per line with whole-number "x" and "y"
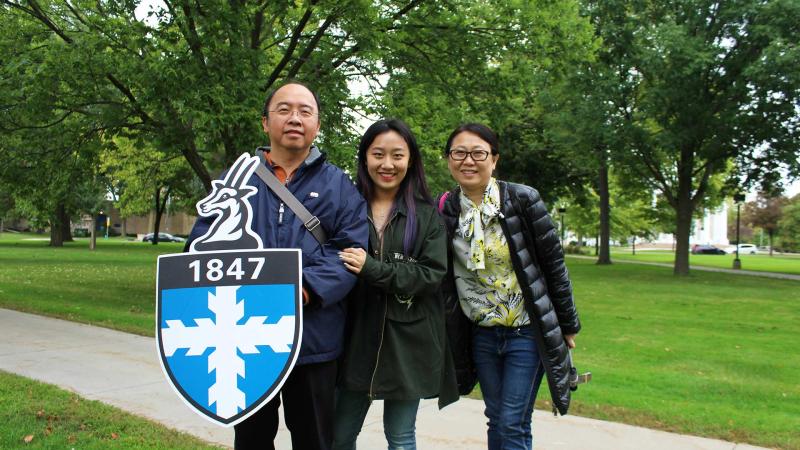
{"x": 232, "y": 229}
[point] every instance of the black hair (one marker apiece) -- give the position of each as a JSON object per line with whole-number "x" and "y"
{"x": 265, "y": 110}
{"x": 479, "y": 129}
{"x": 413, "y": 184}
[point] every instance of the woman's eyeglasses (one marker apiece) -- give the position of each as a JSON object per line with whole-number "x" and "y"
{"x": 460, "y": 154}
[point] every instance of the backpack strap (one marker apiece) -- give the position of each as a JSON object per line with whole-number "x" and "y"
{"x": 442, "y": 200}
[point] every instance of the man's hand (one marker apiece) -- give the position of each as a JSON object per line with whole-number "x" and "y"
{"x": 570, "y": 339}
{"x": 353, "y": 259}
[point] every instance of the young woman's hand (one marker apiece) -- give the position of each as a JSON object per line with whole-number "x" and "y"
{"x": 353, "y": 259}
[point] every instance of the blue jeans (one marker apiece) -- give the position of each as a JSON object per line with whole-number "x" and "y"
{"x": 399, "y": 420}
{"x": 509, "y": 372}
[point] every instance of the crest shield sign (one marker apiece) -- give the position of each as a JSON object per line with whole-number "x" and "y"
{"x": 229, "y": 312}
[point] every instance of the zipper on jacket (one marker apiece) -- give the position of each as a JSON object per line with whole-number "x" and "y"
{"x": 280, "y": 213}
{"x": 385, "y": 309}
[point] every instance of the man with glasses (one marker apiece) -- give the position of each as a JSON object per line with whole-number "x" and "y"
{"x": 291, "y": 119}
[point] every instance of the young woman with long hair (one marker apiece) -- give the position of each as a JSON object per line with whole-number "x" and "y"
{"x": 395, "y": 347}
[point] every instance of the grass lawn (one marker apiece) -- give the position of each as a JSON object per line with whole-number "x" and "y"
{"x": 760, "y": 262}
{"x": 113, "y": 286}
{"x": 710, "y": 354}
{"x": 38, "y": 415}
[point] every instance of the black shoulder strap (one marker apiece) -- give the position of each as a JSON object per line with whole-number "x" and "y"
{"x": 310, "y": 221}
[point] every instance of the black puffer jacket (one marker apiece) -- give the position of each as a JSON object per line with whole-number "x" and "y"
{"x": 538, "y": 261}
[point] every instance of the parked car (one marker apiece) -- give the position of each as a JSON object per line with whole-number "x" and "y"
{"x": 743, "y": 249}
{"x": 163, "y": 237}
{"x": 707, "y": 250}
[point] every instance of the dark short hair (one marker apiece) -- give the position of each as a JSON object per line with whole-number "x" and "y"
{"x": 265, "y": 111}
{"x": 479, "y": 129}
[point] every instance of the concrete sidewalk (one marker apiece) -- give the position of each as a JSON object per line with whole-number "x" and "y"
{"x": 123, "y": 370}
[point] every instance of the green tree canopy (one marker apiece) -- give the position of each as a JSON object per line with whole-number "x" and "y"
{"x": 712, "y": 92}
{"x": 789, "y": 226}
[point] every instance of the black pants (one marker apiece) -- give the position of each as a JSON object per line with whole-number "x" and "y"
{"x": 308, "y": 408}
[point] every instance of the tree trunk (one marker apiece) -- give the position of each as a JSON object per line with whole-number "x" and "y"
{"x": 161, "y": 205}
{"x": 770, "y": 241}
{"x": 684, "y": 227}
{"x": 56, "y": 238}
{"x": 124, "y": 228}
{"x": 66, "y": 232}
{"x": 157, "y": 220}
{"x": 605, "y": 210}
{"x": 93, "y": 233}
{"x": 57, "y": 234}
{"x": 684, "y": 207}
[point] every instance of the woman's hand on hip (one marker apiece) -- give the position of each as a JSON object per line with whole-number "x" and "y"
{"x": 353, "y": 259}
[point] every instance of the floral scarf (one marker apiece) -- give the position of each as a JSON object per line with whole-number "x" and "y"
{"x": 474, "y": 218}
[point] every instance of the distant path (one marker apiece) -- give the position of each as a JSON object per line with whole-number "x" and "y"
{"x": 781, "y": 276}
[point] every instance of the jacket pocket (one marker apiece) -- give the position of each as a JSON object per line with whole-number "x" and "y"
{"x": 405, "y": 308}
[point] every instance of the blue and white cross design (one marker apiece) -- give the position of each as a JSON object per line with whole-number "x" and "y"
{"x": 228, "y": 348}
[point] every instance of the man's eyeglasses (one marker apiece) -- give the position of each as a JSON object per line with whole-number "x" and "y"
{"x": 286, "y": 112}
{"x": 460, "y": 154}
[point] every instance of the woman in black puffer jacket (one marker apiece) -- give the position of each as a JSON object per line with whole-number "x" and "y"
{"x": 506, "y": 267}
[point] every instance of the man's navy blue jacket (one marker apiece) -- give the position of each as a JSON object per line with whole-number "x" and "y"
{"x": 330, "y": 195}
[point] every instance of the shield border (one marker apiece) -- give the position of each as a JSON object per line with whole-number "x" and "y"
{"x": 275, "y": 389}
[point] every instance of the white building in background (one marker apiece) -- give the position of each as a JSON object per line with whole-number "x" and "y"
{"x": 712, "y": 229}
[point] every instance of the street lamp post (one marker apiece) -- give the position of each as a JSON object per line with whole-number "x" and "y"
{"x": 562, "y": 211}
{"x": 738, "y": 198}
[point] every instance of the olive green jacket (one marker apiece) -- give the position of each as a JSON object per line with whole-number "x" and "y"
{"x": 395, "y": 344}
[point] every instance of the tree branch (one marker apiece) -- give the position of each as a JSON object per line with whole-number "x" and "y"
{"x": 39, "y": 14}
{"x": 287, "y": 56}
{"x": 312, "y": 44}
{"x": 191, "y": 34}
{"x": 403, "y": 11}
{"x": 703, "y": 185}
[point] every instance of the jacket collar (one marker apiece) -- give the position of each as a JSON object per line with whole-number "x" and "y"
{"x": 314, "y": 155}
{"x": 400, "y": 207}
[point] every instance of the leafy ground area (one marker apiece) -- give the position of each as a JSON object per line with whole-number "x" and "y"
{"x": 709, "y": 354}
{"x": 42, "y": 416}
{"x": 788, "y": 263}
